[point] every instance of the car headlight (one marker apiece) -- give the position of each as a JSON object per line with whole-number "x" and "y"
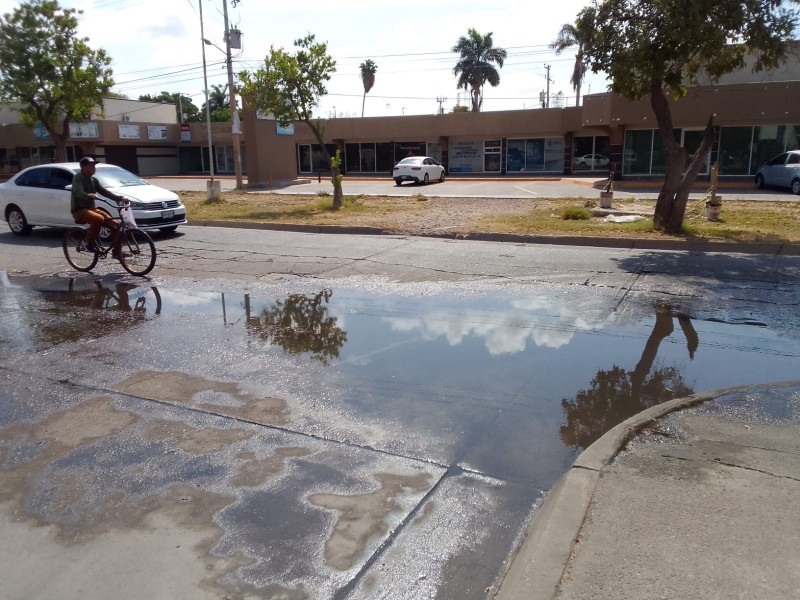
{"x": 137, "y": 205}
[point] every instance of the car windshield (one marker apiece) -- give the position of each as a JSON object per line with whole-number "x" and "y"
{"x": 117, "y": 177}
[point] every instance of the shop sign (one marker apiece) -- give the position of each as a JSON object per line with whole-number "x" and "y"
{"x": 466, "y": 157}
{"x": 157, "y": 132}
{"x": 128, "y": 132}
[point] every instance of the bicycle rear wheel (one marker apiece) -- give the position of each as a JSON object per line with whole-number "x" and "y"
{"x": 82, "y": 260}
{"x": 137, "y": 253}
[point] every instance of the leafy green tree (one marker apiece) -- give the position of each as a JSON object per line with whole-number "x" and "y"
{"x": 289, "y": 86}
{"x": 50, "y": 70}
{"x": 657, "y": 48}
{"x": 368, "y": 69}
{"x": 185, "y": 103}
{"x": 474, "y": 69}
{"x": 569, "y": 37}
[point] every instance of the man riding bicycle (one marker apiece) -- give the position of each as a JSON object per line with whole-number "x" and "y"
{"x": 85, "y": 187}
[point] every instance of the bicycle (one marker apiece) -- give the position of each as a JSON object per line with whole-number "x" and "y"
{"x": 135, "y": 249}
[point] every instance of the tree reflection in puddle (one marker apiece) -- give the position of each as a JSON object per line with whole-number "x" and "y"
{"x": 617, "y": 394}
{"x": 299, "y": 324}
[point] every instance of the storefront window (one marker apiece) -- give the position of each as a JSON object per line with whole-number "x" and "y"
{"x": 360, "y": 158}
{"x": 735, "y": 144}
{"x": 535, "y": 155}
{"x": 768, "y": 141}
{"x": 304, "y": 158}
{"x": 384, "y": 157}
{"x": 591, "y": 153}
{"x": 406, "y": 149}
{"x": 515, "y": 156}
{"x": 352, "y": 157}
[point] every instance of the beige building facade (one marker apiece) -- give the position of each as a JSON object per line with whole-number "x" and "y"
{"x": 755, "y": 120}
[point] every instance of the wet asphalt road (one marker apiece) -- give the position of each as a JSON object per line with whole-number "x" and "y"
{"x": 150, "y": 449}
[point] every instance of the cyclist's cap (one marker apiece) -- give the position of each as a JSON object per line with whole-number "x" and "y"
{"x": 87, "y": 160}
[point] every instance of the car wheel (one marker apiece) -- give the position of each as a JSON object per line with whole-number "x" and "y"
{"x": 170, "y": 229}
{"x": 583, "y": 165}
{"x": 796, "y": 187}
{"x": 441, "y": 177}
{"x": 426, "y": 179}
{"x": 760, "y": 182}
{"x": 17, "y": 222}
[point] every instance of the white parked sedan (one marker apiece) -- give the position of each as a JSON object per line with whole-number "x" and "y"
{"x": 41, "y": 195}
{"x": 419, "y": 169}
{"x": 592, "y": 161}
{"x": 781, "y": 171}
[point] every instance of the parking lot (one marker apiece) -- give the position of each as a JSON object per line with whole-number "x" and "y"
{"x": 473, "y": 187}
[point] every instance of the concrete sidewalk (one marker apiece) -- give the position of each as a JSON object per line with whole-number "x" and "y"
{"x": 694, "y": 498}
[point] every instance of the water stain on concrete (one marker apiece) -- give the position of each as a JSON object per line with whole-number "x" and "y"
{"x": 93, "y": 420}
{"x": 362, "y": 516}
{"x": 196, "y": 440}
{"x": 255, "y": 472}
{"x": 426, "y": 512}
{"x": 182, "y": 388}
{"x": 69, "y": 521}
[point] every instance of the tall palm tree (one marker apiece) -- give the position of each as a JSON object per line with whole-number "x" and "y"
{"x": 475, "y": 68}
{"x": 568, "y": 37}
{"x": 368, "y": 69}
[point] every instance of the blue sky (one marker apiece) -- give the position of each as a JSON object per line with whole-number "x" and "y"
{"x": 156, "y": 45}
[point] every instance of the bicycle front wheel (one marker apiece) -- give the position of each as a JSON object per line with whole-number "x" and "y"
{"x": 137, "y": 252}
{"x": 82, "y": 260}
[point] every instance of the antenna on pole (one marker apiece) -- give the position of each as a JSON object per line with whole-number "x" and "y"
{"x": 440, "y": 100}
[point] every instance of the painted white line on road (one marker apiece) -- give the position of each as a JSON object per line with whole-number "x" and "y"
{"x": 527, "y": 191}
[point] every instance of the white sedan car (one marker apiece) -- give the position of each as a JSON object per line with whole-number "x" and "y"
{"x": 592, "y": 161}
{"x": 41, "y": 195}
{"x": 419, "y": 169}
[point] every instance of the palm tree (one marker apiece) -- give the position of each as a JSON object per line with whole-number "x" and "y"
{"x": 474, "y": 68}
{"x": 570, "y": 36}
{"x": 368, "y": 69}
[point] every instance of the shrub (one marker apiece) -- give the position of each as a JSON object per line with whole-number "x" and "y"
{"x": 575, "y": 213}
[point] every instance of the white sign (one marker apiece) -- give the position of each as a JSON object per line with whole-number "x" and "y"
{"x": 83, "y": 130}
{"x": 157, "y": 132}
{"x": 128, "y": 132}
{"x": 466, "y": 157}
{"x": 281, "y": 130}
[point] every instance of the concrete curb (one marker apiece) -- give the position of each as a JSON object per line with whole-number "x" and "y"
{"x": 536, "y": 569}
{"x": 776, "y": 248}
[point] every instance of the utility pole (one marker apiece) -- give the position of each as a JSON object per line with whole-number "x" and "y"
{"x": 212, "y": 195}
{"x": 236, "y": 131}
{"x": 547, "y": 98}
{"x": 440, "y": 100}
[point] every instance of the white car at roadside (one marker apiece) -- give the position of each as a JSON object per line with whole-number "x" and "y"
{"x": 419, "y": 169}
{"x": 40, "y": 196}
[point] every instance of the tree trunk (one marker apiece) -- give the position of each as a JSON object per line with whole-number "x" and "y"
{"x": 363, "y": 102}
{"x": 336, "y": 177}
{"x": 671, "y": 204}
{"x": 476, "y": 99}
{"x": 59, "y": 140}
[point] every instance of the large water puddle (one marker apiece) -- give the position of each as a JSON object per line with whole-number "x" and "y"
{"x": 511, "y": 382}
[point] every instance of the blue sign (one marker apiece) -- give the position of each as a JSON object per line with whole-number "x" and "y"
{"x": 40, "y": 132}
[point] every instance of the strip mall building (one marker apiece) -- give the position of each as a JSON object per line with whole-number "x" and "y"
{"x": 757, "y": 117}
